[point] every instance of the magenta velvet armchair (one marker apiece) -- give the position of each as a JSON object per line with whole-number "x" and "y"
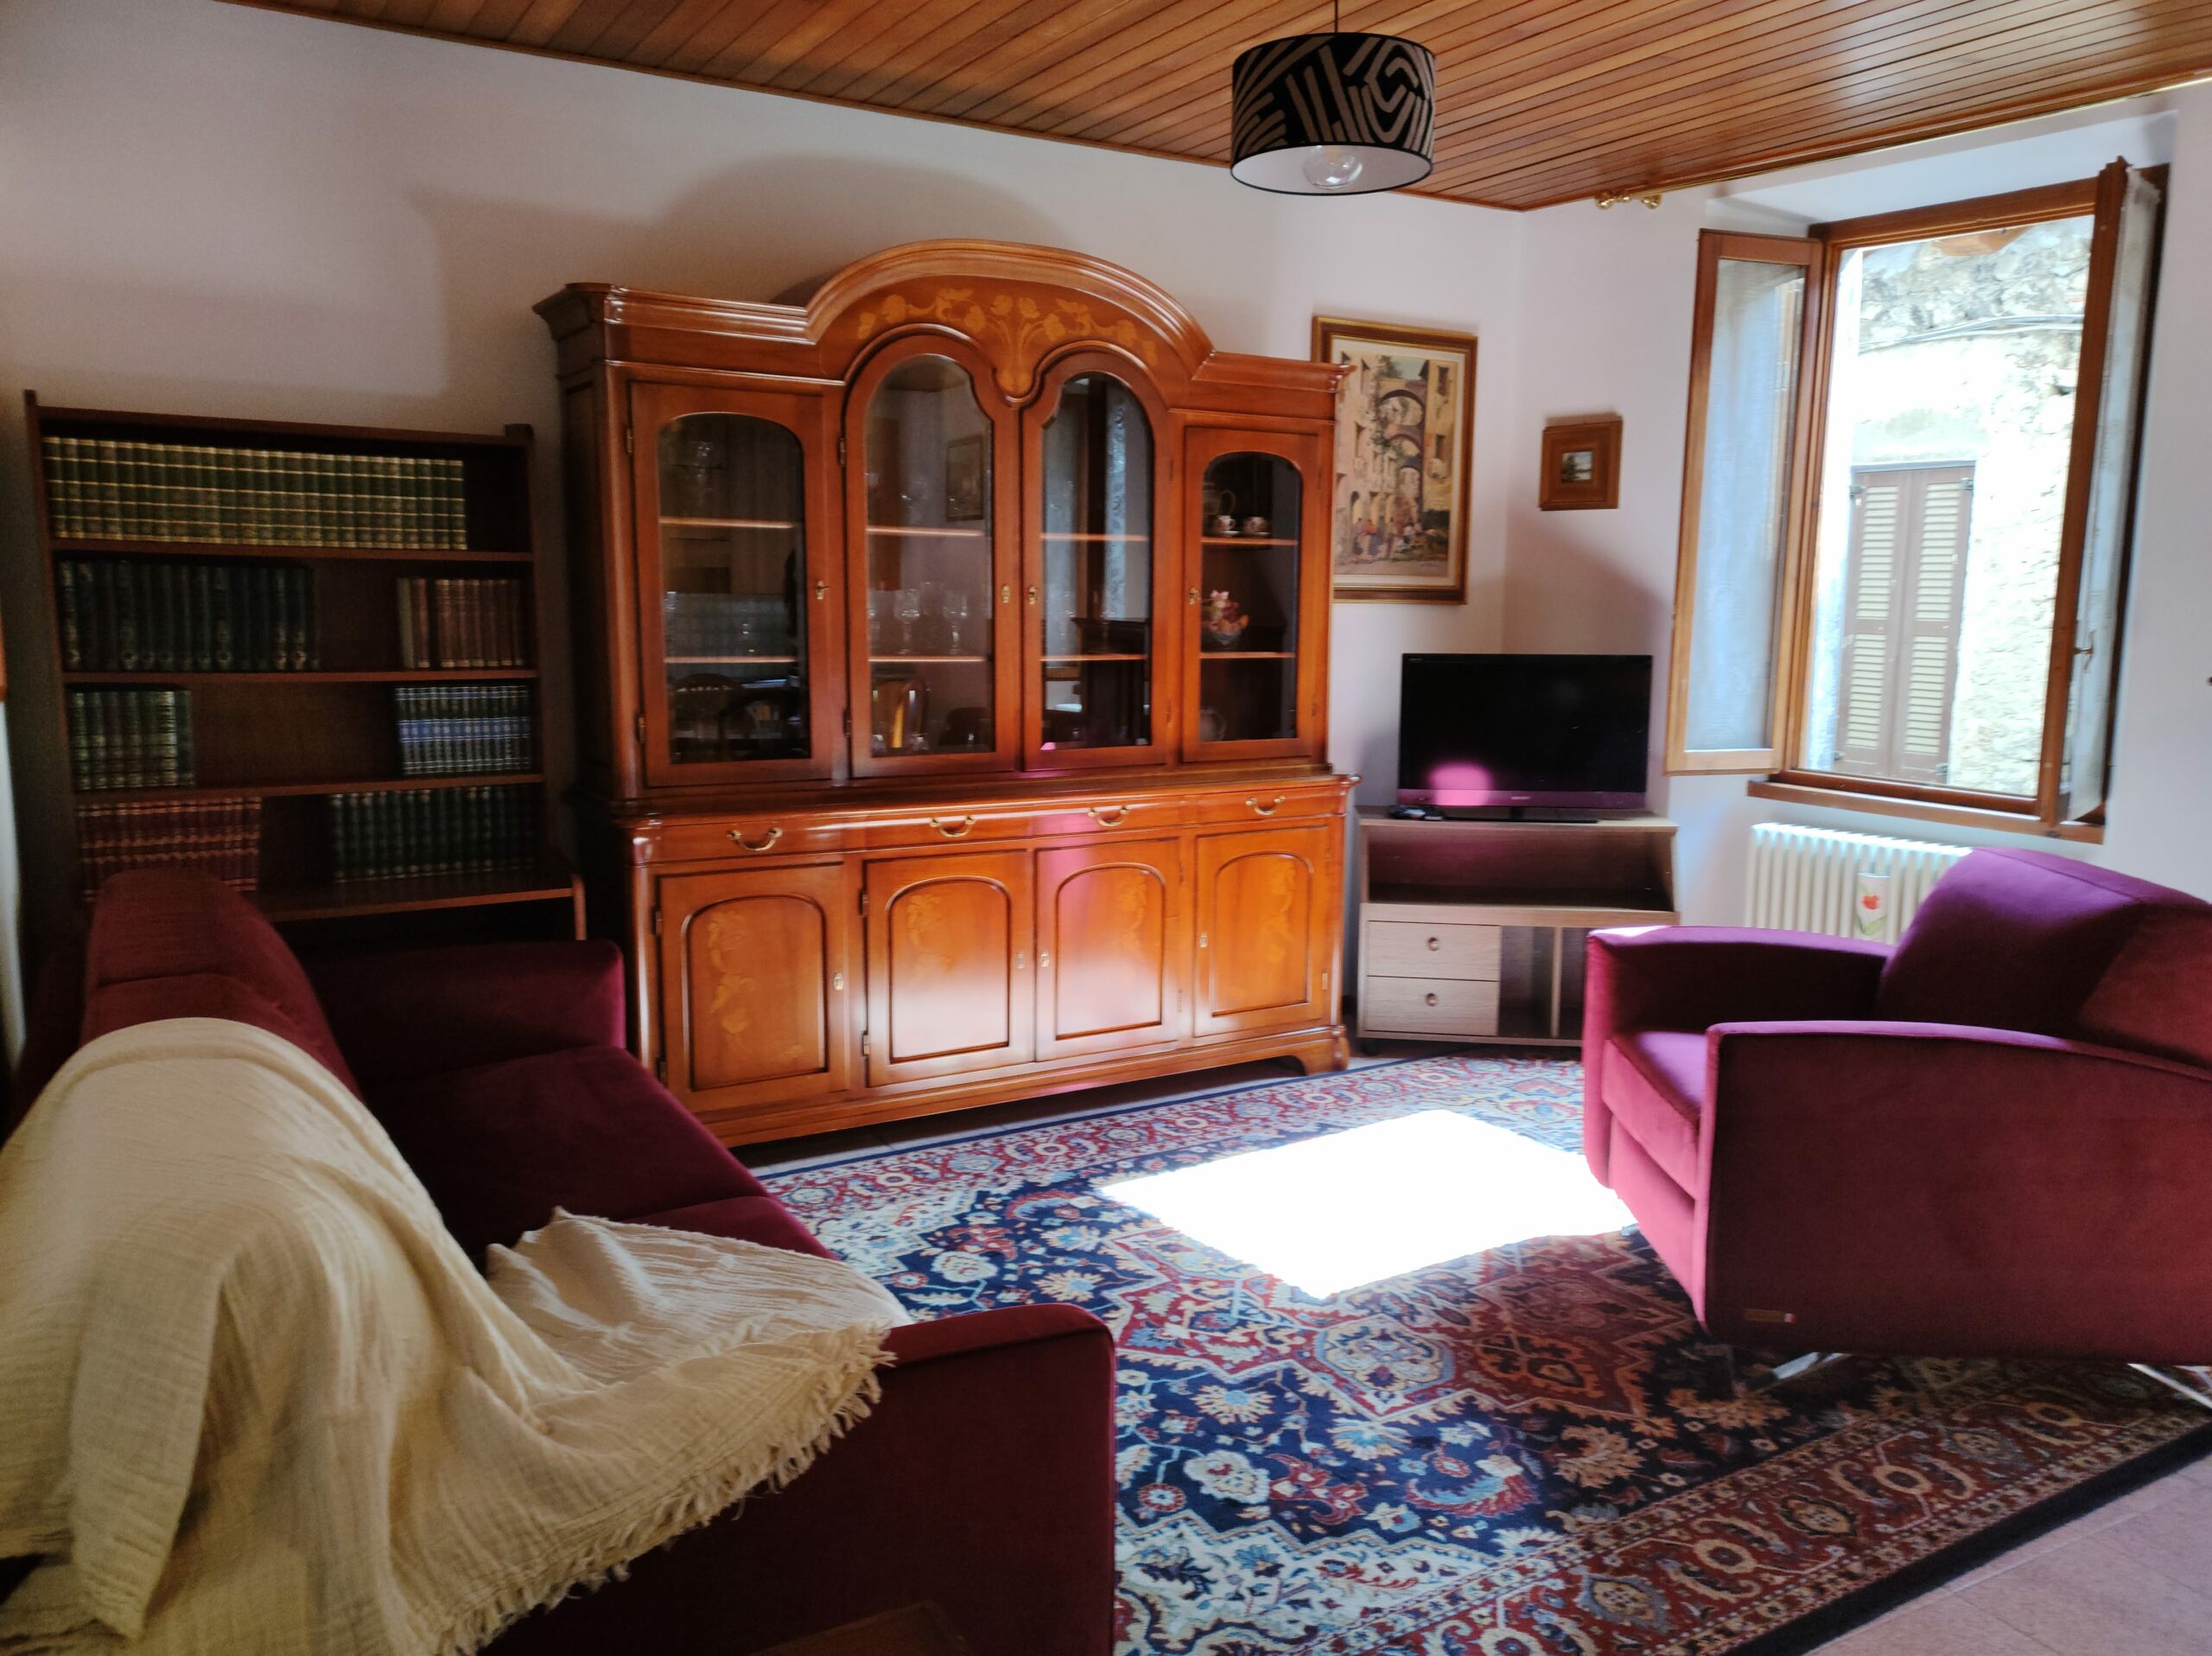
{"x": 1994, "y": 1140}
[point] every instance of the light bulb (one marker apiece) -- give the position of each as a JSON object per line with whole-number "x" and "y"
{"x": 1332, "y": 167}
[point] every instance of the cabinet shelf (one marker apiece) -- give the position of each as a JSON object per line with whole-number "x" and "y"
{"x": 1111, "y": 540}
{"x": 729, "y": 660}
{"x": 907, "y": 532}
{"x": 901, "y": 660}
{"x": 1056, "y": 660}
{"x": 1243, "y": 540}
{"x": 1247, "y": 655}
{"x": 69, "y": 546}
{"x": 727, "y": 523}
{"x": 365, "y": 676}
{"x": 284, "y": 790}
{"x": 412, "y": 894}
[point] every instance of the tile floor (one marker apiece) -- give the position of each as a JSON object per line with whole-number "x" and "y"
{"x": 2133, "y": 1578}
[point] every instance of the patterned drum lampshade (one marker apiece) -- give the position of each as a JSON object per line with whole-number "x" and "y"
{"x": 1333, "y": 114}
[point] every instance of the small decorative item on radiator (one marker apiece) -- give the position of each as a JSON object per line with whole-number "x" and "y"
{"x": 1871, "y": 914}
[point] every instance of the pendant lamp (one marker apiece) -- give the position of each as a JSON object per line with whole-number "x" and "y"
{"x": 1333, "y": 114}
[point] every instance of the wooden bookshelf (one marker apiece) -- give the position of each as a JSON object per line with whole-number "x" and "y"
{"x": 292, "y": 684}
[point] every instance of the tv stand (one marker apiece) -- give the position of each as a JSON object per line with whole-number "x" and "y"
{"x": 1472, "y": 931}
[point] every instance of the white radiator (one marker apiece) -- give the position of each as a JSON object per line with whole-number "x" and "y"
{"x": 1809, "y": 880}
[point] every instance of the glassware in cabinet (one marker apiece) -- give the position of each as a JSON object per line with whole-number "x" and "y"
{"x": 1093, "y": 573}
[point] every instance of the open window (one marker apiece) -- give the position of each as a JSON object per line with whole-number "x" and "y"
{"x": 1907, "y": 502}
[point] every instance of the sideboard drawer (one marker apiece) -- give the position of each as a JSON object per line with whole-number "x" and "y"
{"x": 1265, "y": 804}
{"x": 1430, "y": 1005}
{"x": 1397, "y": 948}
{"x": 701, "y": 839}
{"x": 948, "y": 826}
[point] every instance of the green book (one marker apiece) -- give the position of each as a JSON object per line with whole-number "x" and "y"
{"x": 67, "y": 599}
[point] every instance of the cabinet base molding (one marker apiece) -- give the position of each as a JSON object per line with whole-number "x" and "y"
{"x": 1314, "y": 1050}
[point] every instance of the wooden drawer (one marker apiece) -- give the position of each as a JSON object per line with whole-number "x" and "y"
{"x": 948, "y": 827}
{"x": 1398, "y": 948}
{"x": 1264, "y": 805}
{"x": 1461, "y": 1006}
{"x": 699, "y": 839}
{"x": 1154, "y": 814}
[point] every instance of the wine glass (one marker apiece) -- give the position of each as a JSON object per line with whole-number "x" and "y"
{"x": 957, "y": 608}
{"x": 880, "y": 600}
{"x": 908, "y": 609}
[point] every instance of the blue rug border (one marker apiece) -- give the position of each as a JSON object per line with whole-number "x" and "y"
{"x": 1808, "y": 1633}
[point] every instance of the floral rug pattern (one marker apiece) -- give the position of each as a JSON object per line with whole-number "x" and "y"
{"x": 1529, "y": 1450}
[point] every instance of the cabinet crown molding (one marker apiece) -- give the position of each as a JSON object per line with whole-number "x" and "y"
{"x": 1023, "y": 305}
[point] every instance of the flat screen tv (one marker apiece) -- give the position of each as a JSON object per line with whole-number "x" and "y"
{"x": 1477, "y": 731}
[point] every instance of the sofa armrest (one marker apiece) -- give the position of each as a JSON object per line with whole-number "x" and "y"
{"x": 1945, "y": 1190}
{"x": 426, "y": 1011}
{"x": 1693, "y": 976}
{"x": 982, "y": 1482}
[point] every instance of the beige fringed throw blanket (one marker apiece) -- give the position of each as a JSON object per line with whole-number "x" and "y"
{"x": 254, "y": 1398}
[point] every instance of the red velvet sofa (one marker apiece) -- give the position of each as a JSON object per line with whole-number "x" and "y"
{"x": 1995, "y": 1140}
{"x": 984, "y": 1480}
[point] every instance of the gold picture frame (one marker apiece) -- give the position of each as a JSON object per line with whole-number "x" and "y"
{"x": 1401, "y": 471}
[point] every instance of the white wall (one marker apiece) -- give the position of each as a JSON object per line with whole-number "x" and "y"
{"x": 1606, "y": 328}
{"x": 204, "y": 208}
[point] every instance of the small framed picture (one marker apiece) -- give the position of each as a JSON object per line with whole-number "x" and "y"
{"x": 967, "y": 477}
{"x": 1582, "y": 465}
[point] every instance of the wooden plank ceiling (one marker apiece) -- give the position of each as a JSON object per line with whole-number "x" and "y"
{"x": 1539, "y": 101}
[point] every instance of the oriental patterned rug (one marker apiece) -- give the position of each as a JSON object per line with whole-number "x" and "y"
{"x": 1525, "y": 1446}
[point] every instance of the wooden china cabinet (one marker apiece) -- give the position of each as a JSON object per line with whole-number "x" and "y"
{"x": 952, "y": 675}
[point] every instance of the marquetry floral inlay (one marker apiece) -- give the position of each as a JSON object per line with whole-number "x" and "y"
{"x": 1023, "y": 327}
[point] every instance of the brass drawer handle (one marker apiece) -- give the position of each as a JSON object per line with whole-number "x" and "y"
{"x": 1043, "y": 960}
{"x": 820, "y": 591}
{"x": 774, "y": 834}
{"x": 953, "y": 830}
{"x": 1434, "y": 944}
{"x": 1033, "y": 597}
{"x": 1430, "y": 998}
{"x": 1268, "y": 809}
{"x": 1110, "y": 816}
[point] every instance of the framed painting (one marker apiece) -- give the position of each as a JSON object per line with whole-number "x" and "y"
{"x": 1405, "y": 445}
{"x": 1581, "y": 465}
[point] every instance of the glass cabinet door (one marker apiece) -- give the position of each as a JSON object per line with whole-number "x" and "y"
{"x": 929, "y": 497}
{"x": 1089, "y": 596}
{"x": 1256, "y": 599}
{"x": 732, "y": 588}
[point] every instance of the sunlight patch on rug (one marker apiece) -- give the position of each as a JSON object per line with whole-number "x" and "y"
{"x": 1358, "y": 1207}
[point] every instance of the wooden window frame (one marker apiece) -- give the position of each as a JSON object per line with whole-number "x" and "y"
{"x": 1786, "y": 778}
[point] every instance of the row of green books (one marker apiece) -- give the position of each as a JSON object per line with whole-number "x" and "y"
{"x": 221, "y": 837}
{"x": 461, "y": 729}
{"x": 131, "y": 738}
{"x": 431, "y": 830}
{"x": 101, "y": 489}
{"x": 131, "y": 616}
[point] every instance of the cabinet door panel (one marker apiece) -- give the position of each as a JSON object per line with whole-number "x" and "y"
{"x": 1111, "y": 933}
{"x": 1255, "y": 596}
{"x": 949, "y": 969}
{"x": 737, "y": 610}
{"x": 758, "y": 965}
{"x": 1264, "y": 919}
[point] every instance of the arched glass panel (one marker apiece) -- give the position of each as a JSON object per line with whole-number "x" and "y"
{"x": 1248, "y": 602}
{"x": 929, "y": 502}
{"x": 733, "y": 541}
{"x": 1096, "y": 604}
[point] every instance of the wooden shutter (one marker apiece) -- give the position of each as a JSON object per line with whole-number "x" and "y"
{"x": 1903, "y": 598}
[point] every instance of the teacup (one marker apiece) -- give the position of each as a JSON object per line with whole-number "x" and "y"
{"x": 1224, "y": 524}
{"x": 1255, "y": 525}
